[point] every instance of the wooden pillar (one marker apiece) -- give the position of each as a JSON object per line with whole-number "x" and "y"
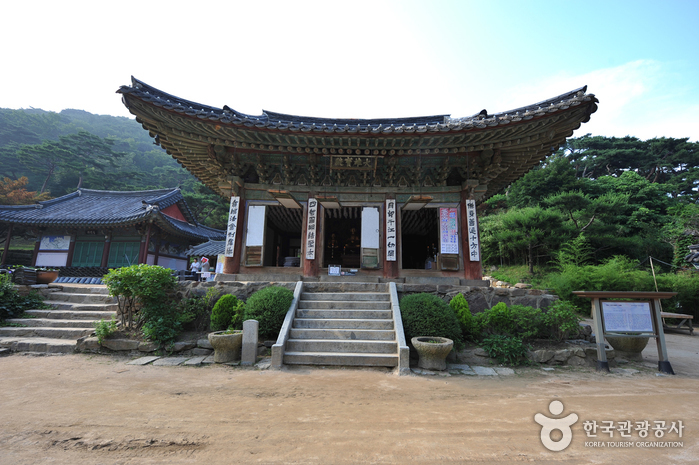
{"x": 143, "y": 252}
{"x": 390, "y": 268}
{"x": 105, "y": 251}
{"x": 157, "y": 249}
{"x": 472, "y": 269}
{"x": 71, "y": 248}
{"x": 6, "y": 250}
{"x": 231, "y": 265}
{"x": 37, "y": 244}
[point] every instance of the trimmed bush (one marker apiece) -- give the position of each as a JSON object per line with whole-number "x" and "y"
{"x": 561, "y": 320}
{"x": 428, "y": 315}
{"x": 227, "y": 313}
{"x": 269, "y": 306}
{"x": 459, "y": 305}
{"x": 507, "y": 350}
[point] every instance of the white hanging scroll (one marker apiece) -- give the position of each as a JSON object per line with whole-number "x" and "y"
{"x": 391, "y": 230}
{"x": 448, "y": 231}
{"x": 232, "y": 226}
{"x": 472, "y": 225}
{"x": 311, "y": 229}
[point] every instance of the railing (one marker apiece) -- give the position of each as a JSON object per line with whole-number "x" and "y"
{"x": 403, "y": 350}
{"x": 279, "y": 347}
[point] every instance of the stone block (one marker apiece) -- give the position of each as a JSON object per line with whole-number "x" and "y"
{"x": 194, "y": 362}
{"x": 90, "y": 343}
{"x": 249, "y": 351}
{"x": 480, "y": 352}
{"x": 502, "y": 292}
{"x": 546, "y": 301}
{"x": 577, "y": 362}
{"x": 504, "y": 371}
{"x": 535, "y": 292}
{"x": 526, "y": 300}
{"x": 476, "y": 302}
{"x": 120, "y": 344}
{"x": 562, "y": 355}
{"x": 518, "y": 292}
{"x": 500, "y": 298}
{"x": 185, "y": 345}
{"x": 170, "y": 361}
{"x": 541, "y": 355}
{"x": 429, "y": 288}
{"x": 522, "y": 286}
{"x": 148, "y": 347}
{"x": 484, "y": 371}
{"x": 204, "y": 344}
{"x": 143, "y": 361}
{"x": 200, "y": 351}
{"x": 444, "y": 288}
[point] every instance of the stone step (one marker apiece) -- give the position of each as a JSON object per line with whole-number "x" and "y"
{"x": 345, "y": 314}
{"x": 72, "y": 315}
{"x": 354, "y": 296}
{"x": 335, "y": 333}
{"x": 344, "y": 287}
{"x": 58, "y": 305}
{"x": 342, "y": 346}
{"x": 340, "y": 359}
{"x": 342, "y": 323}
{"x": 39, "y": 344}
{"x": 73, "y": 297}
{"x": 53, "y": 323}
{"x": 348, "y": 279}
{"x": 53, "y": 333}
{"x": 81, "y": 288}
{"x": 344, "y": 304}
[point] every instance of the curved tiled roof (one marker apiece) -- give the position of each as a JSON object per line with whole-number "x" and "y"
{"x": 492, "y": 149}
{"x": 207, "y": 249}
{"x": 94, "y": 208}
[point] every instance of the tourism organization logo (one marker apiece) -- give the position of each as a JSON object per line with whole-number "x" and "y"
{"x": 549, "y": 425}
{"x": 656, "y": 429}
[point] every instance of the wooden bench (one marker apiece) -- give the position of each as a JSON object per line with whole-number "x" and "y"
{"x": 684, "y": 320}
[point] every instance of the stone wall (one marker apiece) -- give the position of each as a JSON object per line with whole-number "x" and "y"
{"x": 482, "y": 298}
{"x": 241, "y": 290}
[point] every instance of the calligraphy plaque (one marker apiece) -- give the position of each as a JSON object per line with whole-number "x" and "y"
{"x": 311, "y": 229}
{"x": 232, "y": 226}
{"x": 474, "y": 253}
{"x": 391, "y": 228}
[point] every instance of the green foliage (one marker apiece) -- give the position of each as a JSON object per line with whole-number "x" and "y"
{"x": 428, "y": 315}
{"x": 12, "y": 304}
{"x": 561, "y": 320}
{"x": 146, "y": 300}
{"x": 228, "y": 313}
{"x": 269, "y": 307}
{"x": 686, "y": 284}
{"x": 195, "y": 312}
{"x": 103, "y": 329}
{"x": 507, "y": 350}
{"x": 459, "y": 306}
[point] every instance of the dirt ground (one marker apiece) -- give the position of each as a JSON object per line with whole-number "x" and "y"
{"x": 81, "y": 409}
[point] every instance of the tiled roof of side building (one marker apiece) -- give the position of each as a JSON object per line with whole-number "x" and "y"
{"x": 280, "y": 121}
{"x": 209, "y": 249}
{"x": 91, "y": 208}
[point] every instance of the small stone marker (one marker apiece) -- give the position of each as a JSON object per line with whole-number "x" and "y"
{"x": 143, "y": 360}
{"x": 194, "y": 362}
{"x": 170, "y": 361}
{"x": 249, "y": 354}
{"x": 484, "y": 371}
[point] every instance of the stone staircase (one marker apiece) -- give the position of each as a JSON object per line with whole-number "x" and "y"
{"x": 346, "y": 324}
{"x": 76, "y": 309}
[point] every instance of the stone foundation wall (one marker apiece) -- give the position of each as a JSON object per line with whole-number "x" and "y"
{"x": 241, "y": 290}
{"x": 482, "y": 298}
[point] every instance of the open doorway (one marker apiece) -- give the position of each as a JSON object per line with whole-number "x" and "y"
{"x": 273, "y": 236}
{"x": 419, "y": 238}
{"x": 342, "y": 228}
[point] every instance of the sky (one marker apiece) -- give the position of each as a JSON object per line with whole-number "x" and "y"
{"x": 362, "y": 59}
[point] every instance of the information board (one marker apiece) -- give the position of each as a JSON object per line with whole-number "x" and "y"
{"x": 624, "y": 317}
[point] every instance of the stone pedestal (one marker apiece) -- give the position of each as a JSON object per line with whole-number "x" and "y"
{"x": 249, "y": 356}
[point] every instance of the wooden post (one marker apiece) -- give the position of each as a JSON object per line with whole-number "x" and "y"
{"x": 71, "y": 249}
{"x": 6, "y": 250}
{"x": 602, "y": 363}
{"x": 663, "y": 362}
{"x": 231, "y": 265}
{"x": 37, "y": 244}
{"x": 157, "y": 249}
{"x": 472, "y": 269}
{"x": 105, "y": 251}
{"x": 143, "y": 256}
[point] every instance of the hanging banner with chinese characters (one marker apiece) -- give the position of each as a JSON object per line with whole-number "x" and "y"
{"x": 448, "y": 231}
{"x": 311, "y": 229}
{"x": 472, "y": 225}
{"x": 232, "y": 226}
{"x": 391, "y": 230}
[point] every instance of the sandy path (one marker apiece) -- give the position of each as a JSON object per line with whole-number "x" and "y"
{"x": 80, "y": 409}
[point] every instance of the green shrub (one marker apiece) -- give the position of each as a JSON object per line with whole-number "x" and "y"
{"x": 561, "y": 320}
{"x": 528, "y": 321}
{"x": 104, "y": 328}
{"x": 269, "y": 306}
{"x": 460, "y": 307}
{"x": 227, "y": 313}
{"x": 428, "y": 315}
{"x": 516, "y": 321}
{"x": 507, "y": 350}
{"x": 195, "y": 312}
{"x": 12, "y": 304}
{"x": 496, "y": 320}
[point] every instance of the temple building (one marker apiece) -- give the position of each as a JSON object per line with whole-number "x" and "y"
{"x": 96, "y": 230}
{"x": 389, "y": 198}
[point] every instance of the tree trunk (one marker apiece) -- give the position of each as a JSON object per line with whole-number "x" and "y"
{"x": 531, "y": 258}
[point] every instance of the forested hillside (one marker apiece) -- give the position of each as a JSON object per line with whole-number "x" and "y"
{"x": 59, "y": 152}
{"x": 596, "y": 198}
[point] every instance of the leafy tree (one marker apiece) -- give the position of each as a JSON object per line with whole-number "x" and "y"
{"x": 15, "y": 193}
